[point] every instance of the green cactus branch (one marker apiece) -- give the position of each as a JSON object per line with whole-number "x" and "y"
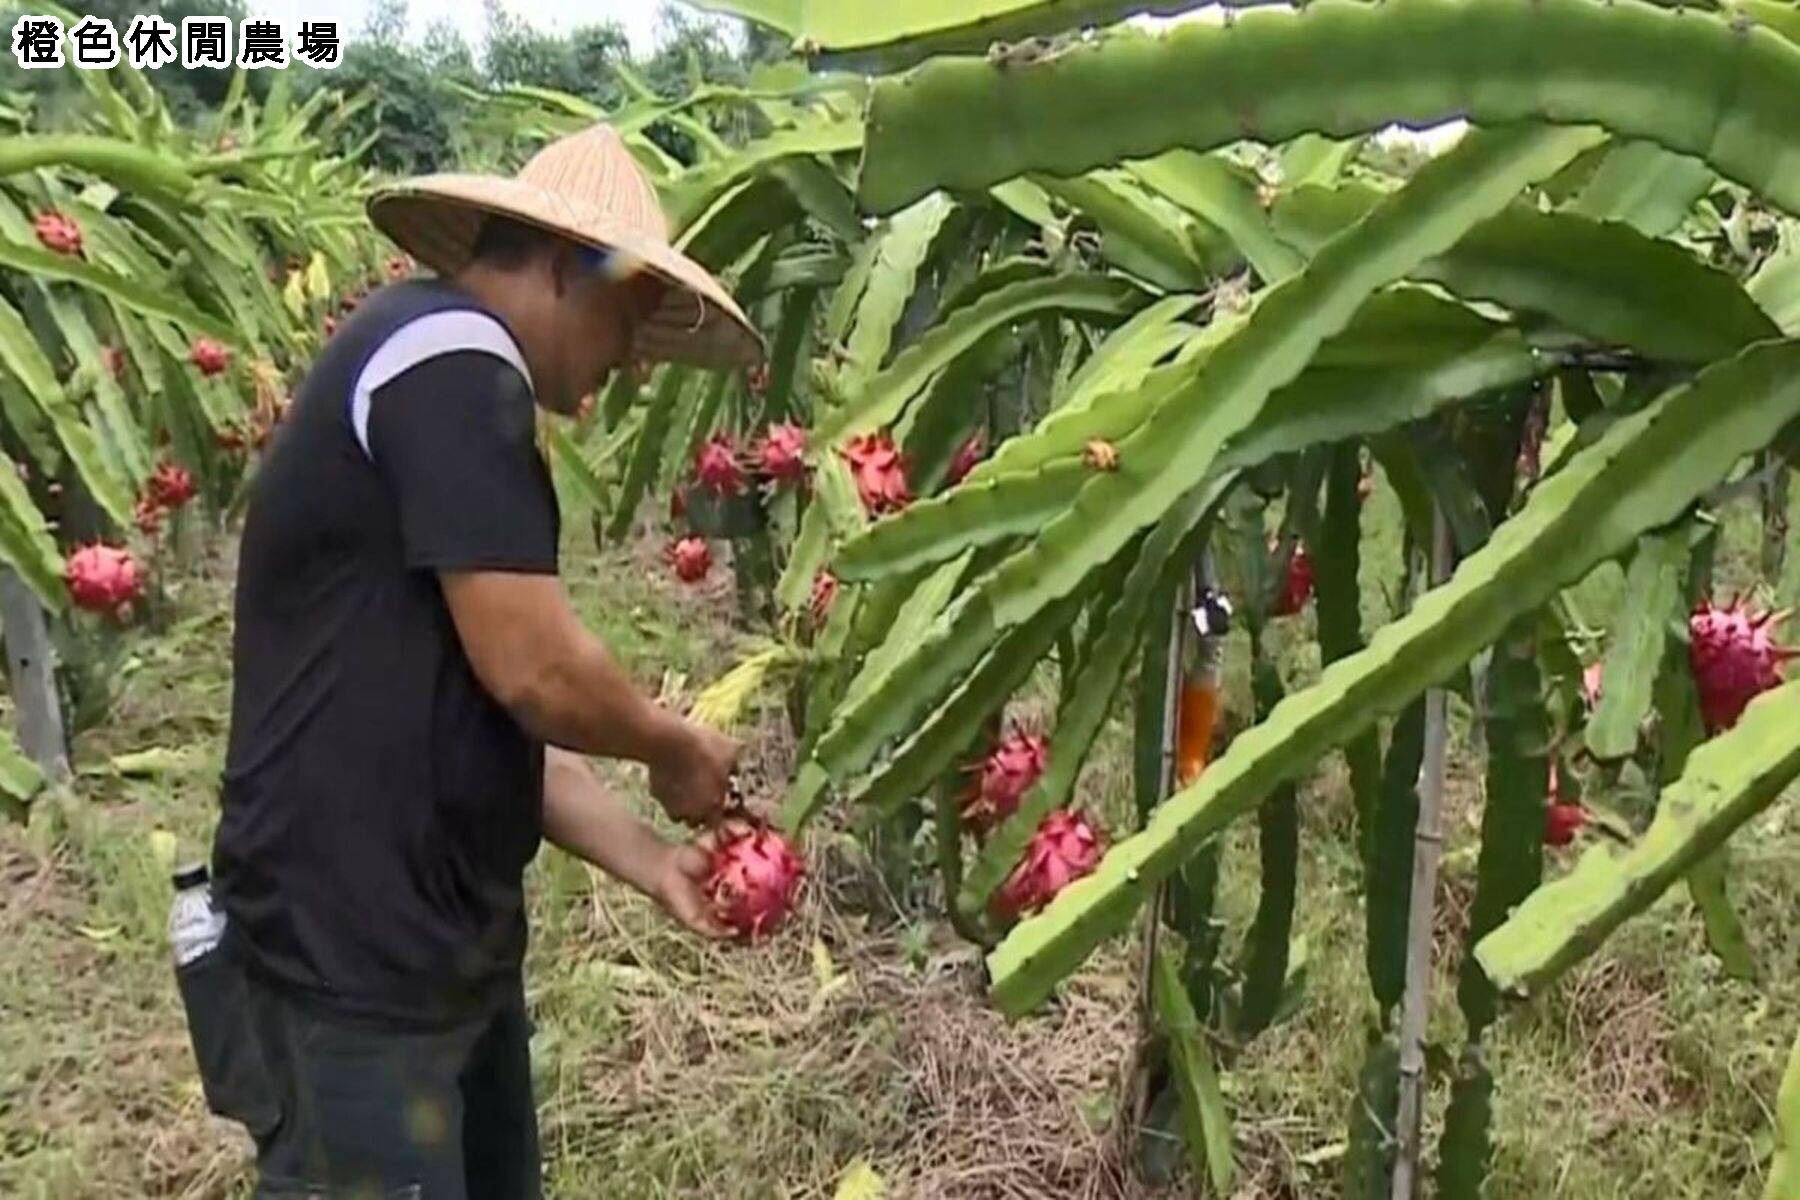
{"x": 1641, "y": 474}
{"x": 1727, "y": 781}
{"x": 1688, "y": 81}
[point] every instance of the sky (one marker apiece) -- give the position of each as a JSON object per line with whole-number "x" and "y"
{"x": 637, "y": 16}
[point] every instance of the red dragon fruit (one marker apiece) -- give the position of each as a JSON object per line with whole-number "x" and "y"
{"x": 209, "y": 356}
{"x": 1734, "y": 659}
{"x": 717, "y": 468}
{"x": 971, "y": 452}
{"x": 755, "y": 880}
{"x": 59, "y": 234}
{"x": 1003, "y": 778}
{"x": 148, "y": 516}
{"x": 781, "y": 455}
{"x": 880, "y": 472}
{"x": 1561, "y": 821}
{"x": 1297, "y": 588}
{"x": 171, "y": 485}
{"x": 103, "y": 579}
{"x": 1064, "y": 848}
{"x": 692, "y": 559}
{"x": 824, "y": 595}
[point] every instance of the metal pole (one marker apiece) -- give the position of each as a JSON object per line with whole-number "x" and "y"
{"x": 31, "y": 672}
{"x": 1427, "y": 845}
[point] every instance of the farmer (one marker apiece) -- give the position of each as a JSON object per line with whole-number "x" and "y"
{"x": 413, "y": 695}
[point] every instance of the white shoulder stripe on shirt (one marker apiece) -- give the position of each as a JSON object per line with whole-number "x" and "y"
{"x": 450, "y": 331}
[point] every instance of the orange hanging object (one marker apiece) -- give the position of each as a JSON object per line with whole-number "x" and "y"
{"x": 1198, "y": 715}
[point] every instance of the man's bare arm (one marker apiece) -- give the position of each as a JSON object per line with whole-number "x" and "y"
{"x": 587, "y": 820}
{"x": 532, "y": 654}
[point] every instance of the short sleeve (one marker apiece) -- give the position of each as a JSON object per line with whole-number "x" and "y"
{"x": 454, "y": 438}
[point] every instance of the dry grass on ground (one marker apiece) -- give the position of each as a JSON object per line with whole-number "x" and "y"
{"x": 670, "y": 1069}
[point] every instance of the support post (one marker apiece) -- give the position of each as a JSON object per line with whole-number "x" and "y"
{"x": 1415, "y": 1005}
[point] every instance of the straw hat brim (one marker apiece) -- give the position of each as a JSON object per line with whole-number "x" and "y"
{"x": 437, "y": 218}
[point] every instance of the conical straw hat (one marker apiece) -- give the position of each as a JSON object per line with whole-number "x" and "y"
{"x": 585, "y": 187}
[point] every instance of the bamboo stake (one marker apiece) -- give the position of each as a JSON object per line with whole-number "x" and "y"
{"x": 1427, "y": 845}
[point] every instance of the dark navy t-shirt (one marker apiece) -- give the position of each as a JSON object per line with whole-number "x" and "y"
{"x": 379, "y": 806}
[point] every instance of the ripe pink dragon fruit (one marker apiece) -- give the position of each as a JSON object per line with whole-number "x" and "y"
{"x": 717, "y": 468}
{"x": 209, "y": 356}
{"x": 148, "y": 516}
{"x": 692, "y": 559}
{"x": 1003, "y": 778}
{"x": 115, "y": 361}
{"x": 1734, "y": 659}
{"x": 824, "y": 595}
{"x": 59, "y": 234}
{"x": 880, "y": 472}
{"x": 171, "y": 485}
{"x": 1297, "y": 588}
{"x": 1561, "y": 821}
{"x": 103, "y": 579}
{"x": 755, "y": 880}
{"x": 781, "y": 455}
{"x": 971, "y": 452}
{"x": 1064, "y": 848}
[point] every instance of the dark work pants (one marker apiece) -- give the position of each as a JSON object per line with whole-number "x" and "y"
{"x": 369, "y": 1114}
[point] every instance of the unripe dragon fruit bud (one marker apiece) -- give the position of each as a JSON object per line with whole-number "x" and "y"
{"x": 754, "y": 881}
{"x": 1297, "y": 588}
{"x": 970, "y": 453}
{"x": 58, "y": 233}
{"x": 171, "y": 485}
{"x": 880, "y": 473}
{"x": 103, "y": 579}
{"x": 1064, "y": 848}
{"x": 209, "y": 356}
{"x": 1734, "y": 658}
{"x": 1002, "y": 779}
{"x": 692, "y": 559}
{"x": 1593, "y": 683}
{"x": 717, "y": 468}
{"x": 781, "y": 455}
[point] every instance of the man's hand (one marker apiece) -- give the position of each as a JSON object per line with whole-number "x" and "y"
{"x": 680, "y": 887}
{"x": 692, "y": 777}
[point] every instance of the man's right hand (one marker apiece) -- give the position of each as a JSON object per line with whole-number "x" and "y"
{"x": 691, "y": 778}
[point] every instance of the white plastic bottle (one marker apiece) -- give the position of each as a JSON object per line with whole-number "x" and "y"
{"x": 195, "y": 926}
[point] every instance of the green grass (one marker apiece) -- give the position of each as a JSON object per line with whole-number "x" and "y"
{"x": 665, "y": 1068}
